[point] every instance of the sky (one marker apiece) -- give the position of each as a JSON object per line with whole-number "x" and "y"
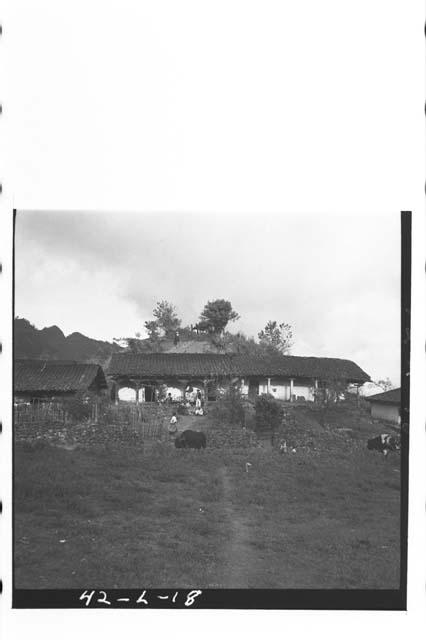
{"x": 334, "y": 279}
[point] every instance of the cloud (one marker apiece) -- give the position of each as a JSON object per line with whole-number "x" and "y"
{"x": 334, "y": 278}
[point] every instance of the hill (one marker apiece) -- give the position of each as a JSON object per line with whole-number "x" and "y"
{"x": 50, "y": 343}
{"x": 191, "y": 342}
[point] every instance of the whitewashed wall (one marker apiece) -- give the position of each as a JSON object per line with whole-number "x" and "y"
{"x": 387, "y": 412}
{"x": 280, "y": 388}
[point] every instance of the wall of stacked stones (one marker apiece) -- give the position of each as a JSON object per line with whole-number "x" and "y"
{"x": 114, "y": 425}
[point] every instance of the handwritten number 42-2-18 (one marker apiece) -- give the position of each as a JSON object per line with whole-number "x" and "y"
{"x": 88, "y": 596}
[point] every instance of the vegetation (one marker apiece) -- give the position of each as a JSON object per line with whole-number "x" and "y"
{"x": 50, "y": 343}
{"x": 385, "y": 384}
{"x": 229, "y": 408}
{"x": 166, "y": 319}
{"x": 152, "y": 329}
{"x": 79, "y": 406}
{"x": 327, "y": 398}
{"x": 123, "y": 518}
{"x": 276, "y": 337}
{"x": 268, "y": 414}
{"x": 216, "y": 315}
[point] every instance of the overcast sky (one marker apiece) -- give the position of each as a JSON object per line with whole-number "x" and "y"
{"x": 335, "y": 279}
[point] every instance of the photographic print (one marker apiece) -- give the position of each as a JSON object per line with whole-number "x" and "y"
{"x": 208, "y": 410}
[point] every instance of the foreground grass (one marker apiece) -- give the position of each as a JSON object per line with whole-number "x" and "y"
{"x": 174, "y": 518}
{"x": 314, "y": 522}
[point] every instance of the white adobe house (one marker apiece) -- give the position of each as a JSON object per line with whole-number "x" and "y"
{"x": 286, "y": 389}
{"x": 288, "y": 378}
{"x": 386, "y": 406}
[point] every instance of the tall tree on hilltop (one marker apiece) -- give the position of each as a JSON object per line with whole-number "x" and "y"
{"x": 166, "y": 319}
{"x": 277, "y": 337}
{"x": 216, "y": 314}
{"x": 154, "y": 339}
{"x": 165, "y": 324}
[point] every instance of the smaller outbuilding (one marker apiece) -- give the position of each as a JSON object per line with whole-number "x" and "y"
{"x": 56, "y": 379}
{"x": 386, "y": 406}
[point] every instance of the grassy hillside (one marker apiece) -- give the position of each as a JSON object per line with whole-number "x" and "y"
{"x": 326, "y": 516}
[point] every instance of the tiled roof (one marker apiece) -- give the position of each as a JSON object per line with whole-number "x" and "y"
{"x": 56, "y": 376}
{"x": 209, "y": 364}
{"x": 388, "y": 397}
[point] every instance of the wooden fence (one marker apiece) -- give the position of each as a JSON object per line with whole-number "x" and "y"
{"x": 40, "y": 413}
{"x": 149, "y": 422}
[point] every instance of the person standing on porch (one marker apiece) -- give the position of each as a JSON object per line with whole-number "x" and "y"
{"x": 198, "y": 400}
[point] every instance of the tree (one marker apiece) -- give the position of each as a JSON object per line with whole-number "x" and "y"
{"x": 238, "y": 343}
{"x": 153, "y": 341}
{"x": 216, "y": 315}
{"x": 327, "y": 396}
{"x": 132, "y": 345}
{"x": 152, "y": 329}
{"x": 277, "y": 337}
{"x": 385, "y": 384}
{"x": 167, "y": 319}
{"x": 269, "y": 415}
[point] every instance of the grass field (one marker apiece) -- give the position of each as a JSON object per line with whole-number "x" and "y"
{"x": 188, "y": 519}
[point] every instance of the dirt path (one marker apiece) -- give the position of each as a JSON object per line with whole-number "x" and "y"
{"x": 196, "y": 423}
{"x": 189, "y": 422}
{"x": 240, "y": 559}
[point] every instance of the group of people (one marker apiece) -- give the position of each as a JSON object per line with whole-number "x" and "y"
{"x": 199, "y": 411}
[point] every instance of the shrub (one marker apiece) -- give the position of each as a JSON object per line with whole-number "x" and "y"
{"x": 268, "y": 413}
{"x": 78, "y": 407}
{"x": 229, "y": 407}
{"x": 327, "y": 398}
{"x": 182, "y": 410}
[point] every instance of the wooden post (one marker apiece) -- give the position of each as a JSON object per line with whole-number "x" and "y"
{"x": 291, "y": 389}
{"x": 114, "y": 392}
{"x": 206, "y": 393}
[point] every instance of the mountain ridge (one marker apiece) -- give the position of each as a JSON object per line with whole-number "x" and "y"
{"x": 50, "y": 343}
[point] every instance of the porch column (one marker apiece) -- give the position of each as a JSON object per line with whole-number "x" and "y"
{"x": 114, "y": 393}
{"x": 184, "y": 384}
{"x": 315, "y": 388}
{"x": 96, "y": 411}
{"x": 206, "y": 392}
{"x": 269, "y": 385}
{"x": 291, "y": 389}
{"x": 137, "y": 393}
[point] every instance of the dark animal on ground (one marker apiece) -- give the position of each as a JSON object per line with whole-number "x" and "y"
{"x": 384, "y": 443}
{"x": 191, "y": 440}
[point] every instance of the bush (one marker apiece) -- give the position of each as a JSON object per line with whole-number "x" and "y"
{"x": 182, "y": 410}
{"x": 268, "y": 413}
{"x": 229, "y": 407}
{"x": 78, "y": 407}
